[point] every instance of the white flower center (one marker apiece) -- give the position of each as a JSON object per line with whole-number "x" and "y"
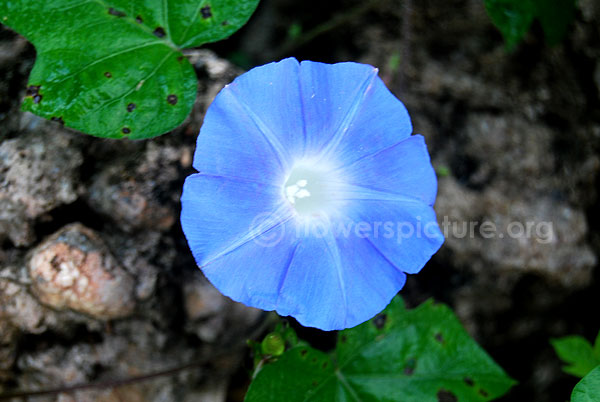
{"x": 309, "y": 190}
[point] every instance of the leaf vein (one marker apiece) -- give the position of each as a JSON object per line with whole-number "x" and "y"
{"x": 111, "y": 101}
{"x": 192, "y": 22}
{"x": 100, "y": 60}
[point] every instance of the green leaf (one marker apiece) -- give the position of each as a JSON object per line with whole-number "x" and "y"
{"x": 512, "y": 18}
{"x": 555, "y": 17}
{"x": 597, "y": 346}
{"x": 115, "y": 68}
{"x": 578, "y": 353}
{"x": 418, "y": 355}
{"x": 588, "y": 389}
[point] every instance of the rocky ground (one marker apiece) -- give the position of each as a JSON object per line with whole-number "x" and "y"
{"x": 96, "y": 281}
{"x": 514, "y": 137}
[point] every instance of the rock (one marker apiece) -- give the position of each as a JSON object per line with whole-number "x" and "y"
{"x": 74, "y": 269}
{"x": 63, "y": 366}
{"x": 59, "y": 298}
{"x": 8, "y": 351}
{"x": 544, "y": 236}
{"x": 204, "y": 307}
{"x": 82, "y": 363}
{"x": 216, "y": 391}
{"x": 37, "y": 173}
{"x": 142, "y": 196}
{"x": 20, "y": 308}
{"x": 509, "y": 151}
{"x": 214, "y": 66}
{"x": 505, "y": 176}
{"x": 202, "y": 299}
{"x": 210, "y": 314}
{"x": 11, "y": 50}
{"x": 589, "y": 9}
{"x": 439, "y": 79}
{"x": 134, "y": 252}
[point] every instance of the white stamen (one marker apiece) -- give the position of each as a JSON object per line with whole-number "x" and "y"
{"x": 295, "y": 191}
{"x": 310, "y": 189}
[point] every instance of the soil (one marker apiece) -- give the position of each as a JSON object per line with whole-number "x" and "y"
{"x": 514, "y": 137}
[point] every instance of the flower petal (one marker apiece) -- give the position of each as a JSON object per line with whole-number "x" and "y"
{"x": 220, "y": 214}
{"x": 254, "y": 126}
{"x": 335, "y": 282}
{"x": 252, "y": 273}
{"x": 324, "y": 282}
{"x": 405, "y": 233}
{"x": 402, "y": 171}
{"x": 351, "y": 109}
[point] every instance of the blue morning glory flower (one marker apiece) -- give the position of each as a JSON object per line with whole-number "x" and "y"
{"x": 312, "y": 198}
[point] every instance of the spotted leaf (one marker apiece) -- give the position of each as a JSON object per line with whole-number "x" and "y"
{"x": 419, "y": 355}
{"x": 115, "y": 68}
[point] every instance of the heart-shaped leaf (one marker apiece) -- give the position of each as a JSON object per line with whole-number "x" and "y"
{"x": 115, "y": 68}
{"x": 420, "y": 355}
